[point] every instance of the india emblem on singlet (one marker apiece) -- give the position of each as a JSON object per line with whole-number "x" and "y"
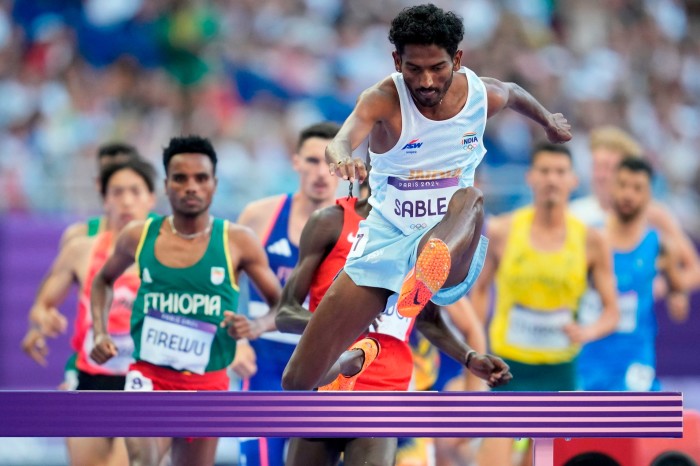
{"x": 470, "y": 141}
{"x": 217, "y": 275}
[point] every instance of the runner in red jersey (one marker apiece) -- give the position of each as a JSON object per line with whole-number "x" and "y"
{"x": 50, "y": 322}
{"x": 326, "y": 241}
{"x": 93, "y": 376}
{"x": 392, "y": 368}
{"x": 127, "y": 190}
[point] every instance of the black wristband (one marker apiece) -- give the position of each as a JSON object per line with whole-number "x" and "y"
{"x": 470, "y": 354}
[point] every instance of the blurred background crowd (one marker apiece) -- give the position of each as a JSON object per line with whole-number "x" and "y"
{"x": 250, "y": 73}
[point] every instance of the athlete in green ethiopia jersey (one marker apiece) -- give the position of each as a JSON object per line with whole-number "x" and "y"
{"x": 184, "y": 322}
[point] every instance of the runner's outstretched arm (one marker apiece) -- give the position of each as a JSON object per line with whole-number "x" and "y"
{"x": 685, "y": 251}
{"x": 372, "y": 107}
{"x": 101, "y": 292}
{"x": 463, "y": 316}
{"x": 44, "y": 317}
{"x": 254, "y": 263}
{"x": 52, "y": 323}
{"x": 603, "y": 278}
{"x": 677, "y": 299}
{"x": 490, "y": 368}
{"x": 509, "y": 95}
{"x": 480, "y": 294}
{"x": 319, "y": 235}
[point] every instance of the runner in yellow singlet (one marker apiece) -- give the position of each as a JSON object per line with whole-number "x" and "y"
{"x": 540, "y": 257}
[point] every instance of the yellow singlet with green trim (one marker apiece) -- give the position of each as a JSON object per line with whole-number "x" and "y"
{"x": 537, "y": 294}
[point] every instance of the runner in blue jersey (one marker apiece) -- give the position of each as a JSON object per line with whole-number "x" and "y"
{"x": 278, "y": 222}
{"x": 425, "y": 125}
{"x": 626, "y": 359}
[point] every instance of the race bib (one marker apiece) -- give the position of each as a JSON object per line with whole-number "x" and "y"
{"x": 639, "y": 377}
{"x": 358, "y": 246}
{"x": 119, "y": 364}
{"x": 416, "y": 205}
{"x": 137, "y": 382}
{"x": 538, "y": 330}
{"x": 592, "y": 307}
{"x": 176, "y": 341}
{"x": 628, "y": 303}
{"x": 393, "y": 323}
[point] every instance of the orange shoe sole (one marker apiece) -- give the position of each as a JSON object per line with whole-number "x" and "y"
{"x": 370, "y": 347}
{"x": 425, "y": 279}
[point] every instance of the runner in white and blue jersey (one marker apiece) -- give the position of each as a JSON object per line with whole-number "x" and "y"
{"x": 626, "y": 359}
{"x": 608, "y": 145}
{"x": 425, "y": 125}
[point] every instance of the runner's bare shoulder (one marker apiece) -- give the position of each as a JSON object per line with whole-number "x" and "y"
{"x": 258, "y": 214}
{"x": 72, "y": 231}
{"x": 78, "y": 247}
{"x": 380, "y": 100}
{"x": 241, "y": 235}
{"x": 324, "y": 225}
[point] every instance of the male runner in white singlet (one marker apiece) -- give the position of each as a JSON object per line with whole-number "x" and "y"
{"x": 425, "y": 125}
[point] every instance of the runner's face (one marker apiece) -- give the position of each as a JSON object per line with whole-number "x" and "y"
{"x": 315, "y": 179}
{"x": 104, "y": 162}
{"x": 631, "y": 194}
{"x": 605, "y": 161}
{"x": 127, "y": 198}
{"x": 551, "y": 178}
{"x": 427, "y": 71}
{"x": 190, "y": 184}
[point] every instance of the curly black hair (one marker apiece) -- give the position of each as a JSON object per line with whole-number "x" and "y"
{"x": 189, "y": 145}
{"x": 426, "y": 25}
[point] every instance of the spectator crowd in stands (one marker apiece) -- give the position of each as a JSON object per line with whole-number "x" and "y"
{"x": 249, "y": 74}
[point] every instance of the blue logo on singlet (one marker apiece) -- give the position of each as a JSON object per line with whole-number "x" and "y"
{"x": 413, "y": 144}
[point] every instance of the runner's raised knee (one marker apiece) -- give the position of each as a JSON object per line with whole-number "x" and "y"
{"x": 466, "y": 198}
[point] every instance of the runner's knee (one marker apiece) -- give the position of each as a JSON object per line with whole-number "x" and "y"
{"x": 463, "y": 222}
{"x": 143, "y": 453}
{"x": 466, "y": 200}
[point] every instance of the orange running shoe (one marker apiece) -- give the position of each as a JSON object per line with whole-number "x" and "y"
{"x": 425, "y": 279}
{"x": 370, "y": 348}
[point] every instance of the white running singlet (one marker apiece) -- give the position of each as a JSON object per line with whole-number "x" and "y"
{"x": 413, "y": 182}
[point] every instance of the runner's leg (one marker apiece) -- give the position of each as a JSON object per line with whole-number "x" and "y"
{"x": 343, "y": 314}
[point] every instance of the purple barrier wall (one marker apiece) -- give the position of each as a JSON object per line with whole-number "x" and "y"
{"x": 29, "y": 243}
{"x": 677, "y": 344}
